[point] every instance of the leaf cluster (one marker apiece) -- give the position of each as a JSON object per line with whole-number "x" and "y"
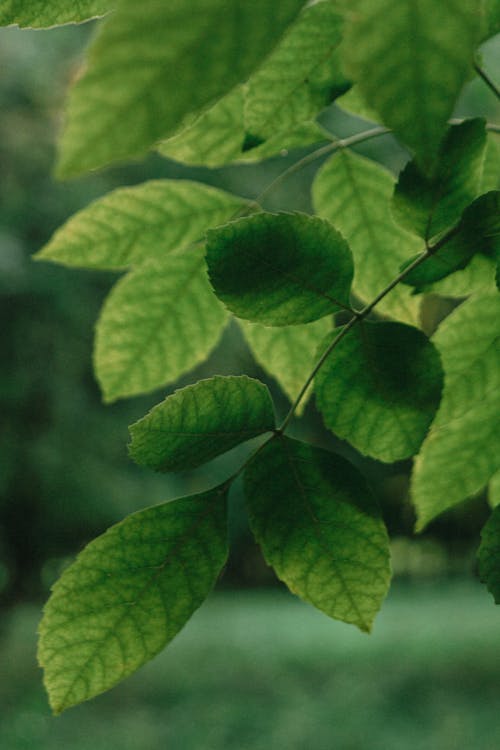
{"x": 210, "y": 82}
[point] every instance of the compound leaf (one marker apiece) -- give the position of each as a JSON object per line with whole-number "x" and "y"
{"x": 158, "y": 322}
{"x": 355, "y": 194}
{"x": 144, "y": 222}
{"x": 287, "y": 353}
{"x": 40, "y": 13}
{"x": 427, "y": 205}
{"x": 489, "y": 555}
{"x": 280, "y": 269}
{"x": 380, "y": 389}
{"x": 201, "y": 421}
{"x": 128, "y": 593}
{"x": 462, "y": 449}
{"x": 318, "y": 526}
{"x": 155, "y": 62}
{"x": 297, "y": 79}
{"x": 410, "y": 60}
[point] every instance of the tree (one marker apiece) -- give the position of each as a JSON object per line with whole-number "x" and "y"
{"x": 214, "y": 82}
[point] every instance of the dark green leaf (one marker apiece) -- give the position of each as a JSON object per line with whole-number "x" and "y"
{"x": 42, "y": 13}
{"x": 410, "y": 60}
{"x": 318, "y": 526}
{"x": 199, "y": 422}
{"x": 355, "y": 194}
{"x": 144, "y": 222}
{"x": 280, "y": 269}
{"x": 462, "y": 450}
{"x": 478, "y": 232}
{"x": 427, "y": 205}
{"x": 158, "y": 322}
{"x": 153, "y": 63}
{"x": 128, "y": 594}
{"x": 380, "y": 389}
{"x": 489, "y": 555}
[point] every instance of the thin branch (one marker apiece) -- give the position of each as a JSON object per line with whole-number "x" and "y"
{"x": 330, "y": 148}
{"x": 488, "y": 81}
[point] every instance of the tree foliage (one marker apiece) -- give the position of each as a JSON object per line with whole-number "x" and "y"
{"x": 213, "y": 82}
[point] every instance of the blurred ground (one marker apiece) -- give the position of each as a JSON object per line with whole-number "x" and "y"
{"x": 262, "y": 671}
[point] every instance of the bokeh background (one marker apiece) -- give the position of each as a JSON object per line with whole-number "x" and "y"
{"x": 255, "y": 668}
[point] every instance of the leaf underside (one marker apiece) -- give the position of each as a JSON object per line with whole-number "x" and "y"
{"x": 157, "y": 323}
{"x": 462, "y": 450}
{"x": 355, "y": 194}
{"x": 153, "y": 63}
{"x": 127, "y": 595}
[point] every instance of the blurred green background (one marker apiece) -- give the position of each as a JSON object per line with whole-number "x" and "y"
{"x": 255, "y": 668}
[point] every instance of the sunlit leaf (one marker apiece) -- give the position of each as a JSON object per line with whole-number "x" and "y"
{"x": 287, "y": 353}
{"x": 462, "y": 450}
{"x": 410, "y": 60}
{"x": 297, "y": 79}
{"x": 355, "y": 194}
{"x": 158, "y": 322}
{"x": 139, "y": 223}
{"x": 128, "y": 593}
{"x": 43, "y": 13}
{"x": 153, "y": 63}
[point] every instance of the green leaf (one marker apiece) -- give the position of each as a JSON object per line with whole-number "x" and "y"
{"x": 128, "y": 593}
{"x": 494, "y": 490}
{"x": 153, "y": 63}
{"x": 380, "y": 389}
{"x": 296, "y": 80}
{"x": 158, "y": 322}
{"x": 40, "y": 13}
{"x": 462, "y": 450}
{"x": 492, "y": 19}
{"x": 489, "y": 555}
{"x": 491, "y": 166}
{"x": 477, "y": 276}
{"x": 427, "y": 205}
{"x": 214, "y": 138}
{"x": 288, "y": 353}
{"x": 145, "y": 222}
{"x": 353, "y": 102}
{"x": 318, "y": 526}
{"x": 217, "y": 137}
{"x": 199, "y": 422}
{"x": 477, "y": 232}
{"x": 410, "y": 60}
{"x": 355, "y": 194}
{"x": 280, "y": 269}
